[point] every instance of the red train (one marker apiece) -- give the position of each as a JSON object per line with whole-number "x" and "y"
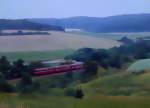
{"x": 58, "y": 69}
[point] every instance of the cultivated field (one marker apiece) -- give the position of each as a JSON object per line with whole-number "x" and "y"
{"x": 54, "y": 41}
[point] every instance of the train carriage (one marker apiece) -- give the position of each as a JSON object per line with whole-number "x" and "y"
{"x": 58, "y": 69}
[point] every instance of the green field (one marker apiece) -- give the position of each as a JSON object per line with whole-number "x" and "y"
{"x": 13, "y": 101}
{"x": 115, "y": 36}
{"x": 37, "y": 55}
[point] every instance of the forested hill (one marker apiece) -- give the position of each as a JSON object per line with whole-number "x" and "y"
{"x": 120, "y": 23}
{"x": 6, "y": 24}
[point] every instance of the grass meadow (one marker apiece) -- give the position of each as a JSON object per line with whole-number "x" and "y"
{"x": 37, "y": 55}
{"x": 114, "y": 36}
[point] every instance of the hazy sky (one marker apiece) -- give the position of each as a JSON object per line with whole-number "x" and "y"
{"x": 68, "y": 8}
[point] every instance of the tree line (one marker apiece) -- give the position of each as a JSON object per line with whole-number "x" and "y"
{"x": 20, "y": 69}
{"x": 17, "y": 69}
{"x": 115, "y": 57}
{"x": 23, "y": 33}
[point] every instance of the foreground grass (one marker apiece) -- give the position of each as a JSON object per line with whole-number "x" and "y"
{"x": 9, "y": 101}
{"x": 115, "y": 90}
{"x": 37, "y": 55}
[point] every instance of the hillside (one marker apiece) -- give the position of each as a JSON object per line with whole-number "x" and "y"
{"x": 25, "y": 25}
{"x": 140, "y": 66}
{"x": 122, "y": 90}
{"x": 121, "y": 23}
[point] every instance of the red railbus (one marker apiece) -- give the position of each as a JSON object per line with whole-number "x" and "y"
{"x": 58, "y": 69}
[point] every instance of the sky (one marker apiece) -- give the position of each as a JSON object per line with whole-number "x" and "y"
{"x": 16, "y": 9}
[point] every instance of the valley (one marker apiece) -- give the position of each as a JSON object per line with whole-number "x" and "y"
{"x": 74, "y": 54}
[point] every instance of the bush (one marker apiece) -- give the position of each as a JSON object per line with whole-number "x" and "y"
{"x": 4, "y": 86}
{"x": 26, "y": 84}
{"x": 79, "y": 93}
{"x": 90, "y": 71}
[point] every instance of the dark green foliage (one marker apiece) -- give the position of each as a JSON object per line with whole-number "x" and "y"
{"x": 90, "y": 71}
{"x": 4, "y": 86}
{"x": 115, "y": 57}
{"x": 26, "y": 25}
{"x": 35, "y": 64}
{"x": 5, "y": 67}
{"x": 15, "y": 70}
{"x": 82, "y": 54}
{"x": 116, "y": 61}
{"x": 91, "y": 68}
{"x": 26, "y": 83}
{"x": 26, "y": 79}
{"x": 126, "y": 40}
{"x": 79, "y": 93}
{"x": 18, "y": 68}
{"x": 102, "y": 57}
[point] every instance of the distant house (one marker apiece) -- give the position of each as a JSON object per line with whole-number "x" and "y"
{"x": 72, "y": 30}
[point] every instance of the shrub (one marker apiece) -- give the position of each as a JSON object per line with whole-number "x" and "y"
{"x": 4, "y": 86}
{"x": 79, "y": 93}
